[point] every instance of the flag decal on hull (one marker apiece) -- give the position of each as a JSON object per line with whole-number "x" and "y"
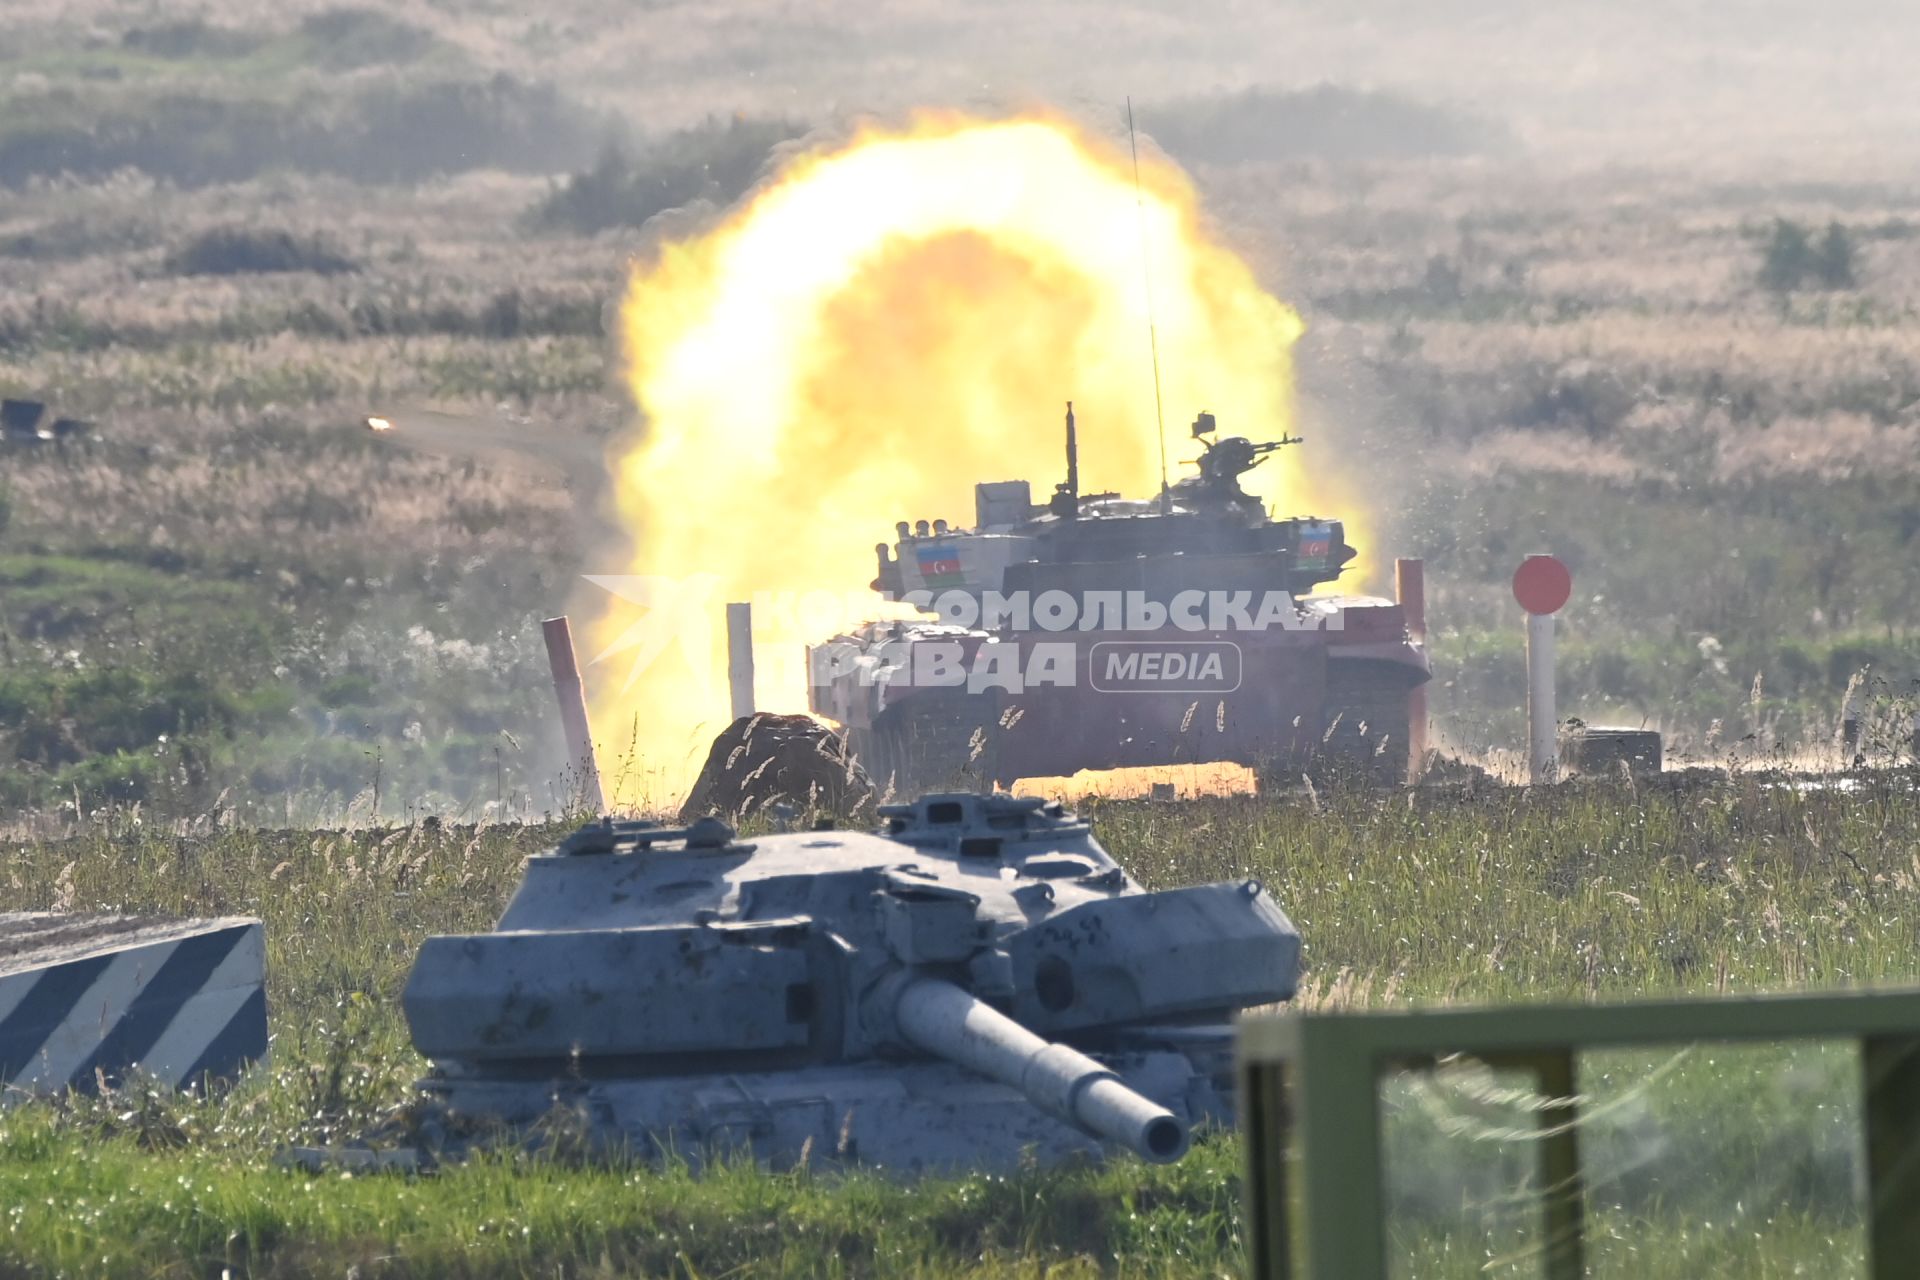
{"x": 940, "y": 566}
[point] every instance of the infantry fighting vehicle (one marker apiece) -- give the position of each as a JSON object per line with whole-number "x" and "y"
{"x": 1098, "y": 632}
{"x": 974, "y": 985}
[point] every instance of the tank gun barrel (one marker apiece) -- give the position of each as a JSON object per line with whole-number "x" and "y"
{"x": 942, "y": 1019}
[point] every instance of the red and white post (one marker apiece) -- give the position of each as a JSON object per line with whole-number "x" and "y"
{"x": 1543, "y": 733}
{"x": 740, "y": 659}
{"x": 572, "y": 695}
{"x": 1542, "y": 585}
{"x": 1410, "y": 589}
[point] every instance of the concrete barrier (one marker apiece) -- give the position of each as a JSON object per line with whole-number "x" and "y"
{"x": 87, "y": 999}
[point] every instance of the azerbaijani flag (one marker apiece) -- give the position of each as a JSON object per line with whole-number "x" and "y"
{"x": 1316, "y": 544}
{"x": 940, "y": 566}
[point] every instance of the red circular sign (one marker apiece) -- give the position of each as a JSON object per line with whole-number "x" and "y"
{"x": 1542, "y": 584}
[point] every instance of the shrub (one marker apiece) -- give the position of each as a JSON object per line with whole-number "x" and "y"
{"x": 1791, "y": 259}
{"x": 712, "y": 161}
{"x": 229, "y": 251}
{"x": 1833, "y": 260}
{"x": 192, "y": 38}
{"x": 1787, "y": 257}
{"x": 122, "y": 777}
{"x": 1442, "y": 281}
{"x": 353, "y": 689}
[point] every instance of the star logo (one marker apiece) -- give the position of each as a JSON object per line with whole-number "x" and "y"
{"x": 674, "y": 611}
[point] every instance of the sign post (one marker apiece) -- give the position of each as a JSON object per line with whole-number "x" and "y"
{"x": 568, "y": 688}
{"x": 1410, "y": 589}
{"x": 1542, "y": 585}
{"x": 740, "y": 658}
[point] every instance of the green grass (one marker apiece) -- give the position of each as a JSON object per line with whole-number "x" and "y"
{"x": 1709, "y": 1154}
{"x": 1709, "y": 1164}
{"x": 259, "y": 669}
{"x": 1754, "y": 610}
{"x": 107, "y": 672}
{"x": 110, "y": 1209}
{"x": 58, "y": 593}
{"x": 1783, "y": 1246}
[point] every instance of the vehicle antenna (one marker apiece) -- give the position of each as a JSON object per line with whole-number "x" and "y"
{"x": 1153, "y": 336}
{"x": 1073, "y": 456}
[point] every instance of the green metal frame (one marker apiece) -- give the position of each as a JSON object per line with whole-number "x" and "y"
{"x": 1310, "y": 1110}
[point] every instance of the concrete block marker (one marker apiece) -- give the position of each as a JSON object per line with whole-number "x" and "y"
{"x": 86, "y": 999}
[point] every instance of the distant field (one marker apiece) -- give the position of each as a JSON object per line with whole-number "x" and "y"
{"x": 1498, "y": 361}
{"x": 1532, "y": 324}
{"x": 1765, "y": 82}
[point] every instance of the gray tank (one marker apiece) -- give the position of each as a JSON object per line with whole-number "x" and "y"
{"x": 976, "y": 985}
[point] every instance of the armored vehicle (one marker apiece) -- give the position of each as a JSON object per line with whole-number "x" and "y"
{"x": 1099, "y": 632}
{"x": 974, "y": 985}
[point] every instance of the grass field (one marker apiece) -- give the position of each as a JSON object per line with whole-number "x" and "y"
{"x": 1505, "y": 357}
{"x": 1711, "y": 1162}
{"x": 1548, "y": 264}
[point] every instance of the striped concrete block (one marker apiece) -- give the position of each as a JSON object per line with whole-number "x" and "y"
{"x": 90, "y": 997}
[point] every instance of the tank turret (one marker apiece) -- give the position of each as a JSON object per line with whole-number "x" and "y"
{"x": 975, "y": 983}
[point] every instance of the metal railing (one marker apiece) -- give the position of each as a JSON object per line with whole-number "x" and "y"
{"x": 1310, "y": 1110}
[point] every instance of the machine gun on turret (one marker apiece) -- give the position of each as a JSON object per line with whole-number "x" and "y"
{"x": 1222, "y": 462}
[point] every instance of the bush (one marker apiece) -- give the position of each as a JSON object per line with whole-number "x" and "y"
{"x": 1833, "y": 260}
{"x": 230, "y": 251}
{"x": 124, "y": 733}
{"x": 711, "y": 161}
{"x": 191, "y": 38}
{"x": 1791, "y": 259}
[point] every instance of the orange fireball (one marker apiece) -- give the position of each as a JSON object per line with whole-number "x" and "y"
{"x": 878, "y": 328}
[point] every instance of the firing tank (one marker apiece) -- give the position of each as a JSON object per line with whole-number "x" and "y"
{"x": 1093, "y": 631}
{"x": 974, "y": 985}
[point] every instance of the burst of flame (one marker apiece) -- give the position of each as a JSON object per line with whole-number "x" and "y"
{"x": 880, "y": 328}
{"x": 379, "y": 424}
